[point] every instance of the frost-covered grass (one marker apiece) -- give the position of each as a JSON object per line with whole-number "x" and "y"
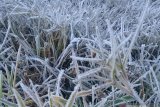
{"x": 79, "y": 53}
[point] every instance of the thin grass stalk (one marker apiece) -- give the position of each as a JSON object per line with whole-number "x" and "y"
{"x": 50, "y": 98}
{"x": 8, "y": 103}
{"x": 37, "y": 39}
{"x": 16, "y": 67}
{"x": 30, "y": 93}
{"x": 141, "y": 20}
{"x": 58, "y": 82}
{"x": 72, "y": 97}
{"x": 39, "y": 101}
{"x": 6, "y": 35}
{"x": 19, "y": 99}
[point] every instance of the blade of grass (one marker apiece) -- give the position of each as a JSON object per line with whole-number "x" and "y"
{"x": 58, "y": 82}
{"x": 86, "y": 59}
{"x": 6, "y": 35}
{"x": 40, "y": 103}
{"x": 50, "y": 98}
{"x": 59, "y": 100}
{"x": 37, "y": 39}
{"x": 30, "y": 93}
{"x": 5, "y": 50}
{"x": 8, "y": 103}
{"x": 72, "y": 97}
{"x": 19, "y": 99}
{"x": 141, "y": 20}
{"x": 17, "y": 63}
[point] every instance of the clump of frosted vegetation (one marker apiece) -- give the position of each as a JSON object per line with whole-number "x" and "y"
{"x": 79, "y": 53}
